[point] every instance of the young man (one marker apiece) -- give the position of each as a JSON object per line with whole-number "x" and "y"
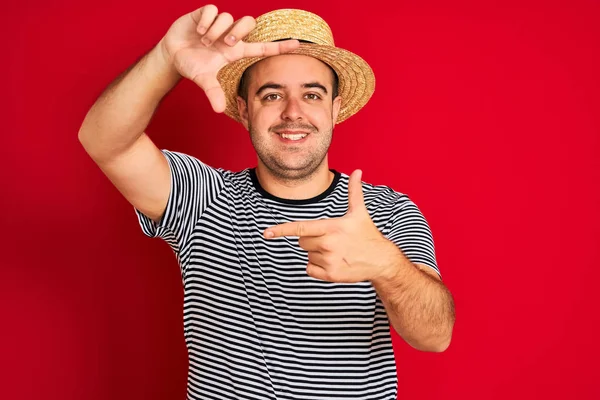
{"x": 292, "y": 271}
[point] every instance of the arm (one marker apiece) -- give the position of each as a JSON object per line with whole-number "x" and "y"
{"x": 113, "y": 135}
{"x": 351, "y": 249}
{"x": 113, "y": 130}
{"x": 419, "y": 306}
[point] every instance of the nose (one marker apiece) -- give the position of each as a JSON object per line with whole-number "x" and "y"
{"x": 292, "y": 110}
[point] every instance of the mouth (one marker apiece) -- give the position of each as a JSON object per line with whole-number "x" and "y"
{"x": 292, "y": 136}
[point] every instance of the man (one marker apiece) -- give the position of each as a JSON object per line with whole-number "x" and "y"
{"x": 292, "y": 271}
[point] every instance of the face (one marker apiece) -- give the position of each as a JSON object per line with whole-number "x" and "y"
{"x": 290, "y": 114}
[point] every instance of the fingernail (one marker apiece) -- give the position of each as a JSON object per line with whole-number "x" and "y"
{"x": 206, "y": 41}
{"x": 231, "y": 39}
{"x": 269, "y": 235}
{"x": 202, "y": 30}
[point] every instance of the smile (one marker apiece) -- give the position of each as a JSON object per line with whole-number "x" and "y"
{"x": 293, "y": 136}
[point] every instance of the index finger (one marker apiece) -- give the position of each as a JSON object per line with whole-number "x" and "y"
{"x": 298, "y": 228}
{"x": 267, "y": 49}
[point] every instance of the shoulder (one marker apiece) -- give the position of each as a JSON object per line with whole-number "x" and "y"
{"x": 190, "y": 160}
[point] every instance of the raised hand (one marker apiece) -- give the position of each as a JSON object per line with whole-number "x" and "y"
{"x": 347, "y": 249}
{"x": 200, "y": 43}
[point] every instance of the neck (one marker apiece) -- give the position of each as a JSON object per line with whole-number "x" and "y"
{"x": 295, "y": 189}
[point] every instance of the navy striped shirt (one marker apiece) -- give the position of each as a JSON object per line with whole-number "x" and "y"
{"x": 256, "y": 325}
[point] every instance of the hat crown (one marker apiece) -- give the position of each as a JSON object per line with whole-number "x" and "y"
{"x": 291, "y": 24}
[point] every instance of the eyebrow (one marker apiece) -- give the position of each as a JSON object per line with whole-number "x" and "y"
{"x": 271, "y": 85}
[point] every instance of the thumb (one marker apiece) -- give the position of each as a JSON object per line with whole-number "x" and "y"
{"x": 214, "y": 92}
{"x": 356, "y": 201}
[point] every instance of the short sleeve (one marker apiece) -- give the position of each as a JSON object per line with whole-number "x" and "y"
{"x": 194, "y": 185}
{"x": 410, "y": 231}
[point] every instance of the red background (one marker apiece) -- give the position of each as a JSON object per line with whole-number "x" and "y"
{"x": 485, "y": 114}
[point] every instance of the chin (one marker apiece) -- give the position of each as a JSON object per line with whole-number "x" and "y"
{"x": 292, "y": 171}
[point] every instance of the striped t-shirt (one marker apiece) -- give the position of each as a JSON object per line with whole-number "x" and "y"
{"x": 256, "y": 325}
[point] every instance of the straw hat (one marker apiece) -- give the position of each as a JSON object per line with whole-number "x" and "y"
{"x": 356, "y": 78}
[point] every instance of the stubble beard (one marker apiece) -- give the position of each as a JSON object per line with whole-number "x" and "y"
{"x": 276, "y": 163}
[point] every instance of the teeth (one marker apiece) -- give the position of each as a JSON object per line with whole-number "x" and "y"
{"x": 295, "y": 136}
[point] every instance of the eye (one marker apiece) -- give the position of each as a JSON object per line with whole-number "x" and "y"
{"x": 272, "y": 97}
{"x": 313, "y": 96}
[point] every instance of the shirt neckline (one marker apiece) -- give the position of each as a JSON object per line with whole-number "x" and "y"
{"x": 315, "y": 199}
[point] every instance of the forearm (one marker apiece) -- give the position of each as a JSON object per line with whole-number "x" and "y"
{"x": 419, "y": 306}
{"x": 124, "y": 110}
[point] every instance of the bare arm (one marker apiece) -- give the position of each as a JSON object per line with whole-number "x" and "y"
{"x": 352, "y": 249}
{"x": 419, "y": 306}
{"x": 113, "y": 130}
{"x": 113, "y": 133}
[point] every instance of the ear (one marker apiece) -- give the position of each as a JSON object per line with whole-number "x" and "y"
{"x": 337, "y": 103}
{"x": 243, "y": 111}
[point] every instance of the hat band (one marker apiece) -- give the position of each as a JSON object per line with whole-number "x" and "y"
{"x": 290, "y": 38}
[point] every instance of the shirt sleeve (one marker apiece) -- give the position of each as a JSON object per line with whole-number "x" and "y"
{"x": 194, "y": 185}
{"x": 411, "y": 233}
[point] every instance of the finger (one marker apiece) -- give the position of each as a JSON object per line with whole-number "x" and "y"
{"x": 356, "y": 201}
{"x": 320, "y": 259}
{"x": 316, "y": 272}
{"x": 268, "y": 49}
{"x": 240, "y": 30}
{"x": 216, "y": 96}
{"x": 213, "y": 90}
{"x": 204, "y": 18}
{"x": 324, "y": 244}
{"x": 311, "y": 243}
{"x": 298, "y": 228}
{"x": 216, "y": 30}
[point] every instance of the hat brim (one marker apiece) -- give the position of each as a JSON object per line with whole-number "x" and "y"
{"x": 356, "y": 78}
